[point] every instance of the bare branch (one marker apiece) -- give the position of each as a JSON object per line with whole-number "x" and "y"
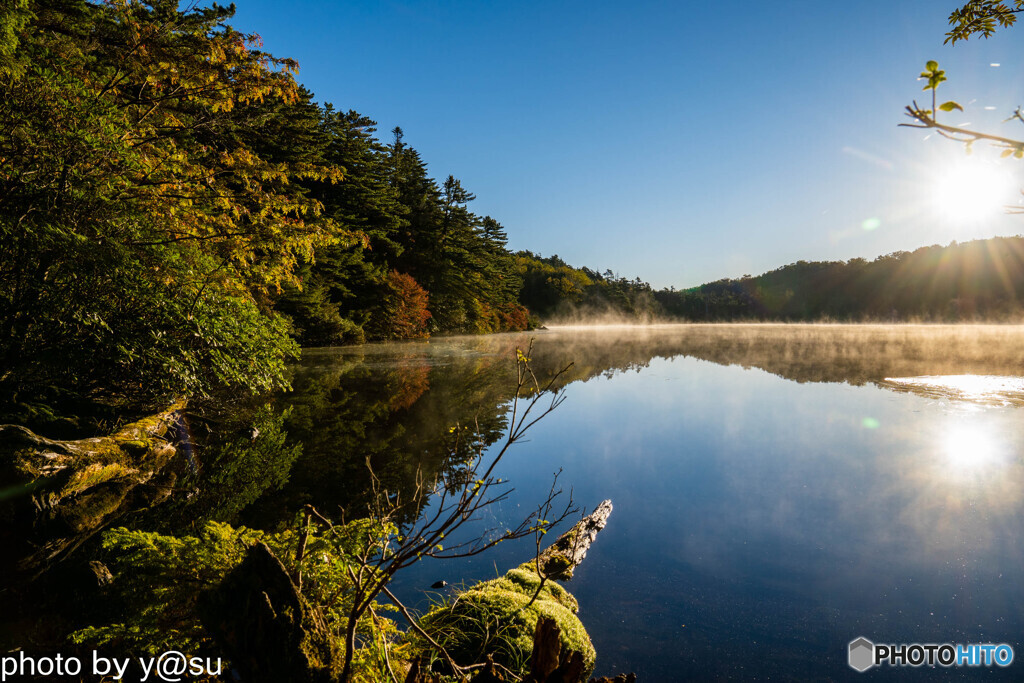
{"x": 955, "y": 133}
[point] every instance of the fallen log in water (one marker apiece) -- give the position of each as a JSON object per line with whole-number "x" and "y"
{"x": 524, "y": 622}
{"x": 560, "y": 558}
{"x": 56, "y": 494}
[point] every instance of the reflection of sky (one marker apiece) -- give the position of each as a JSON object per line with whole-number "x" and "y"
{"x": 762, "y": 524}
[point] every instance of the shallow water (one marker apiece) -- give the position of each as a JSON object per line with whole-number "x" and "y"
{"x": 778, "y": 490}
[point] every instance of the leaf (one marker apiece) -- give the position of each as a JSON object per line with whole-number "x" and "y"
{"x": 1006, "y": 153}
{"x": 931, "y": 65}
{"x": 950, "y": 106}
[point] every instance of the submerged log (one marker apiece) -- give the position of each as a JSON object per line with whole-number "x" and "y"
{"x": 55, "y": 494}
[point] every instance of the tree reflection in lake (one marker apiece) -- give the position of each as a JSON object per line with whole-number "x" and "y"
{"x": 790, "y": 516}
{"x": 393, "y": 404}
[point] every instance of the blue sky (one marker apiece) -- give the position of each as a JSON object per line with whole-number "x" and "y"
{"x": 678, "y": 142}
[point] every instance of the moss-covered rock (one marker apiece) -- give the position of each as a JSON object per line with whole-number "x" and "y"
{"x": 497, "y": 618}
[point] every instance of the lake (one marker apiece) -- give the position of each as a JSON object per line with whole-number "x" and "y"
{"x": 779, "y": 490}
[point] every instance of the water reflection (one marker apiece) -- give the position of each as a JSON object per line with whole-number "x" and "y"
{"x": 996, "y": 389}
{"x": 776, "y": 495}
{"x": 973, "y": 452}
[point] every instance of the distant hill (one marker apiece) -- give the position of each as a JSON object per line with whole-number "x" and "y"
{"x": 970, "y": 281}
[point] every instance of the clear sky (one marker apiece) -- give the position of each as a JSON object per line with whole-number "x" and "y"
{"x": 679, "y": 142}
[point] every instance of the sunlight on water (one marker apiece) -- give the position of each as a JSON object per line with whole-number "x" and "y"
{"x": 998, "y": 389}
{"x": 973, "y": 451}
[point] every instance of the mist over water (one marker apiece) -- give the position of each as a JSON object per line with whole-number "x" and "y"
{"x": 779, "y": 490}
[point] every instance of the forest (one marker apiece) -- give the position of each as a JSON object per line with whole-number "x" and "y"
{"x": 174, "y": 201}
{"x": 981, "y": 280}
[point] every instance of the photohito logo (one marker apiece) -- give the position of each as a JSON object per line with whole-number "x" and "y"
{"x": 863, "y": 654}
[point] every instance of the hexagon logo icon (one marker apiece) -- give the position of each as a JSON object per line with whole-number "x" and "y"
{"x": 862, "y": 654}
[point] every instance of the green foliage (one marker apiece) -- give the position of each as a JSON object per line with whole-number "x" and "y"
{"x": 933, "y": 74}
{"x": 14, "y": 15}
{"x": 160, "y": 579}
{"x": 982, "y": 17}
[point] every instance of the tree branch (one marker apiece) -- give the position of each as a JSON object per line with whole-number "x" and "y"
{"x": 952, "y": 132}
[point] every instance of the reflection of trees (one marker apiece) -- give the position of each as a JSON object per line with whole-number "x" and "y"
{"x": 394, "y": 411}
{"x": 855, "y": 354}
{"x": 395, "y": 403}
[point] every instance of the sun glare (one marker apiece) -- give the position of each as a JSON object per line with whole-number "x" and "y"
{"x": 972, "y": 451}
{"x": 971, "y": 190}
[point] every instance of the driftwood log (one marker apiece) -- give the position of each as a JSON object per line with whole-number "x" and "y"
{"x": 555, "y": 658}
{"x": 560, "y": 558}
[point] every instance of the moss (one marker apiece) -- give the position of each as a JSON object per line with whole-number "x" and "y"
{"x": 93, "y": 475}
{"x": 556, "y": 565}
{"x": 135, "y": 448}
{"x": 490, "y": 619}
{"x": 527, "y": 581}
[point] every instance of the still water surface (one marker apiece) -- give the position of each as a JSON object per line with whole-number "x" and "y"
{"x": 778, "y": 490}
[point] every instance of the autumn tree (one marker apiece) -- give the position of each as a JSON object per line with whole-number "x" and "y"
{"x": 403, "y": 309}
{"x": 145, "y": 217}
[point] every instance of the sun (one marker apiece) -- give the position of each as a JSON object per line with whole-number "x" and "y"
{"x": 971, "y": 190}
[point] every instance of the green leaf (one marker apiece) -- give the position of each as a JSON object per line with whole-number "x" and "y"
{"x": 950, "y": 106}
{"x": 931, "y": 65}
